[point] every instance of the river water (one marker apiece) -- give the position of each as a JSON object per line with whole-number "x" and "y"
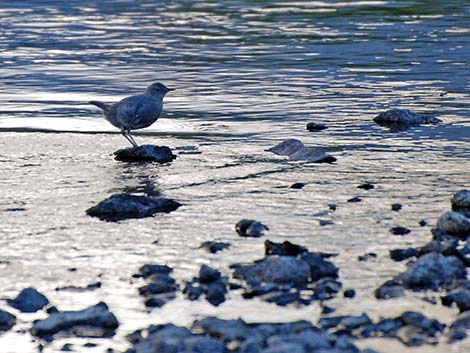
{"x": 247, "y": 74}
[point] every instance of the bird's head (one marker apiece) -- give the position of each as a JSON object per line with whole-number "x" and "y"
{"x": 158, "y": 89}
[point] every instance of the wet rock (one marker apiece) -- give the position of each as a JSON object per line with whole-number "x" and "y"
{"x": 367, "y": 257}
{"x": 346, "y": 324}
{"x": 145, "y": 153}
{"x": 7, "y": 320}
{"x": 283, "y": 269}
{"x": 208, "y": 274}
{"x": 316, "y": 127}
{"x": 213, "y": 246}
{"x": 366, "y": 186}
{"x": 349, "y": 293}
{"x": 396, "y": 207}
{"x": 296, "y": 151}
{"x": 215, "y": 293}
{"x": 89, "y": 287}
{"x": 68, "y": 347}
{"x": 250, "y": 228}
{"x": 297, "y": 186}
{"x": 400, "y": 119}
{"x": 28, "y": 301}
{"x": 400, "y": 230}
{"x": 454, "y": 223}
{"x": 210, "y": 283}
{"x": 332, "y": 207}
{"x": 403, "y": 254}
{"x": 153, "y": 269}
{"x": 325, "y": 222}
{"x": 123, "y": 206}
{"x": 432, "y": 271}
{"x": 461, "y": 297}
{"x": 96, "y": 319}
{"x": 285, "y": 249}
{"x": 460, "y": 328}
{"x": 319, "y": 267}
{"x": 390, "y": 289}
{"x": 355, "y": 199}
{"x": 461, "y": 202}
{"x": 226, "y": 330}
{"x": 160, "y": 284}
{"x": 160, "y": 288}
{"x": 423, "y": 223}
{"x": 287, "y": 147}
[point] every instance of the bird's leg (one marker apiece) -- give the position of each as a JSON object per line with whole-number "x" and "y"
{"x": 127, "y": 136}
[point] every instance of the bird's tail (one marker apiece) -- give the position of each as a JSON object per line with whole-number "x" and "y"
{"x": 100, "y": 105}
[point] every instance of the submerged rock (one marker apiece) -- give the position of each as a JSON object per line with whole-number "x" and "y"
{"x": 160, "y": 154}
{"x": 296, "y": 151}
{"x": 403, "y": 118}
{"x": 316, "y": 127}
{"x": 7, "y": 320}
{"x": 250, "y": 228}
{"x": 123, "y": 206}
{"x": 454, "y": 223}
{"x": 213, "y": 246}
{"x": 95, "y": 321}
{"x": 29, "y": 301}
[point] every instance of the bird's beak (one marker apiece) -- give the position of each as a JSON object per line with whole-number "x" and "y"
{"x": 171, "y": 89}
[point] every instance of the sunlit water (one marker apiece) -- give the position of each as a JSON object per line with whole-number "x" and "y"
{"x": 248, "y": 74}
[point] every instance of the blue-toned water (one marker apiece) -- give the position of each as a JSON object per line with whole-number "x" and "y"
{"x": 247, "y": 75}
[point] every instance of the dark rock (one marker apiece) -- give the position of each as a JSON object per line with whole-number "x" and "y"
{"x": 68, "y": 347}
{"x": 193, "y": 292}
{"x": 215, "y": 293}
{"x": 461, "y": 297}
{"x": 390, "y": 289}
{"x": 319, "y": 267}
{"x": 89, "y": 287}
{"x": 297, "y": 186}
{"x": 433, "y": 270}
{"x": 326, "y": 309}
{"x": 403, "y": 254}
{"x": 461, "y": 201}
{"x": 29, "y": 301}
{"x": 367, "y": 256}
{"x": 155, "y": 302}
{"x": 283, "y": 269}
{"x": 325, "y": 222}
{"x": 316, "y": 127}
{"x": 226, "y": 330}
{"x": 94, "y": 317}
{"x": 208, "y": 274}
{"x": 325, "y": 288}
{"x": 423, "y": 223}
{"x": 152, "y": 269}
{"x": 213, "y": 246}
{"x": 161, "y": 283}
{"x": 345, "y": 323}
{"x": 145, "y": 153}
{"x": 332, "y": 207}
{"x": 396, "y": 207}
{"x": 460, "y": 327}
{"x": 355, "y": 199}
{"x": 283, "y": 249}
{"x": 366, "y": 186}
{"x": 90, "y": 345}
{"x": 349, "y": 293}
{"x": 123, "y": 206}
{"x": 454, "y": 223}
{"x": 7, "y": 320}
{"x": 400, "y": 119}
{"x": 400, "y": 231}
{"x": 287, "y": 147}
{"x": 250, "y": 228}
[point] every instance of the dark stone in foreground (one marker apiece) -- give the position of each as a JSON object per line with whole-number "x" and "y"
{"x": 399, "y": 230}
{"x": 213, "y": 335}
{"x": 145, "y": 153}
{"x": 401, "y": 119}
{"x": 250, "y": 228}
{"x": 29, "y": 301}
{"x": 123, "y": 206}
{"x": 95, "y": 321}
{"x": 297, "y": 186}
{"x": 7, "y": 320}
{"x": 316, "y": 127}
{"x": 213, "y": 246}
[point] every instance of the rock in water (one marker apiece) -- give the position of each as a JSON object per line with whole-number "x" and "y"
{"x": 160, "y": 154}
{"x": 250, "y": 228}
{"x": 316, "y": 127}
{"x": 7, "y": 320}
{"x": 296, "y": 151}
{"x": 29, "y": 301}
{"x": 454, "y": 223}
{"x": 461, "y": 202}
{"x": 287, "y": 147}
{"x": 402, "y": 119}
{"x": 123, "y": 206}
{"x": 96, "y": 317}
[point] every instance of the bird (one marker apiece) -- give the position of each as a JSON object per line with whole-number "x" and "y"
{"x": 135, "y": 112}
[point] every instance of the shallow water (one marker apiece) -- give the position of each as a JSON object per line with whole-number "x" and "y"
{"x": 248, "y": 74}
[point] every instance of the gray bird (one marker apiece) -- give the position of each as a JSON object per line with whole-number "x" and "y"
{"x": 135, "y": 112}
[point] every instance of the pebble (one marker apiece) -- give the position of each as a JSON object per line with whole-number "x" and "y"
{"x": 349, "y": 293}
{"x": 400, "y": 230}
{"x": 297, "y": 186}
{"x": 355, "y": 199}
{"x": 396, "y": 207}
{"x": 366, "y": 186}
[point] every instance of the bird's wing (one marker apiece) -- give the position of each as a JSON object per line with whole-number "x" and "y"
{"x": 130, "y": 111}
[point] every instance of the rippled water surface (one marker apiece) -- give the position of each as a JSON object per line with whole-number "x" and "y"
{"x": 247, "y": 74}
